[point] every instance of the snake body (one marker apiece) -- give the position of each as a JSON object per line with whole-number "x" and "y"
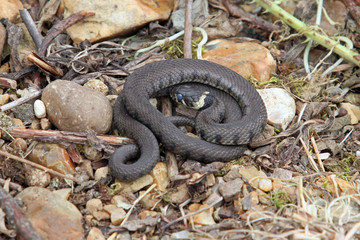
{"x": 136, "y": 118}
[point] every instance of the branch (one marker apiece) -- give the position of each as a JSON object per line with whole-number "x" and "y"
{"x": 309, "y": 32}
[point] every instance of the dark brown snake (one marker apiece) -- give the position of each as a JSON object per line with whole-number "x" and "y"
{"x": 136, "y": 118}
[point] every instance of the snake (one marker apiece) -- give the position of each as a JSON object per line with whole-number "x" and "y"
{"x": 136, "y": 118}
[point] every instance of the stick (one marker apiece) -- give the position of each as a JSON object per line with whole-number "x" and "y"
{"x": 31, "y": 27}
{"x": 65, "y": 137}
{"x": 316, "y": 150}
{"x": 188, "y": 30}
{"x": 14, "y": 214}
{"x": 7, "y": 83}
{"x": 60, "y": 27}
{"x": 23, "y": 160}
{"x": 309, "y": 32}
{"x": 311, "y": 160}
{"x": 20, "y": 101}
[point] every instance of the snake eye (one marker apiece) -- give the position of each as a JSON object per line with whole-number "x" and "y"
{"x": 179, "y": 96}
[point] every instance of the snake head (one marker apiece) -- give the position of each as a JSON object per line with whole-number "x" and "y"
{"x": 192, "y": 97}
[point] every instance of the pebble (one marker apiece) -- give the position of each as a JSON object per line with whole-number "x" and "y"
{"x": 203, "y": 218}
{"x": 10, "y": 9}
{"x": 25, "y": 112}
{"x": 231, "y": 190}
{"x": 94, "y": 205}
{"x": 40, "y": 205}
{"x": 98, "y": 86}
{"x": 45, "y": 124}
{"x": 265, "y": 185}
{"x": 95, "y": 234}
{"x": 160, "y": 175}
{"x": 137, "y": 184}
{"x": 252, "y": 175}
{"x": 101, "y": 173}
{"x": 36, "y": 177}
{"x": 39, "y": 109}
{"x": 4, "y": 98}
{"x": 121, "y": 202}
{"x": 353, "y": 111}
{"x": 72, "y": 107}
{"x": 52, "y": 156}
{"x": 19, "y": 144}
{"x": 91, "y": 153}
{"x": 117, "y": 216}
{"x": 280, "y": 106}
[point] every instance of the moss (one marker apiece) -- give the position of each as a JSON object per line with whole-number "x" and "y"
{"x": 280, "y": 199}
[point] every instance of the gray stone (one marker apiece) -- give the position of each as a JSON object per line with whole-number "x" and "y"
{"x": 231, "y": 190}
{"x": 280, "y": 106}
{"x": 72, "y": 107}
{"x": 25, "y": 112}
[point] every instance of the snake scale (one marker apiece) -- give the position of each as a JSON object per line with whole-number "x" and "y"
{"x": 136, "y": 118}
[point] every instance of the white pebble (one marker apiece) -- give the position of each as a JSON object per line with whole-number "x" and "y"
{"x": 39, "y": 109}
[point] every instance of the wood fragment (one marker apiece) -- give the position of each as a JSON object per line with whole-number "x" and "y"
{"x": 311, "y": 160}
{"x": 15, "y": 216}
{"x": 64, "y": 137}
{"x": 188, "y": 29}
{"x": 12, "y": 185}
{"x": 316, "y": 150}
{"x": 2, "y": 39}
{"x": 31, "y": 27}
{"x": 7, "y": 83}
{"x": 43, "y": 64}
{"x": 60, "y": 27}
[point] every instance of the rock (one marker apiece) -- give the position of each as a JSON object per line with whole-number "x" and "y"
{"x": 36, "y": 177}
{"x": 231, "y": 190}
{"x": 121, "y": 202}
{"x": 145, "y": 213}
{"x": 98, "y": 86}
{"x": 203, "y": 218}
{"x": 265, "y": 185}
{"x": 94, "y": 205}
{"x": 4, "y": 98}
{"x": 282, "y": 174}
{"x": 353, "y": 111}
{"x": 91, "y": 153}
{"x": 280, "y": 106}
{"x": 247, "y": 59}
{"x": 54, "y": 157}
{"x": 19, "y": 144}
{"x": 40, "y": 207}
{"x": 160, "y": 175}
{"x": 95, "y": 234}
{"x": 179, "y": 194}
{"x": 101, "y": 173}
{"x": 137, "y": 184}
{"x": 71, "y": 107}
{"x": 117, "y": 216}
{"x": 113, "y": 18}
{"x": 101, "y": 215}
{"x": 199, "y": 11}
{"x": 35, "y": 124}
{"x": 25, "y": 112}
{"x": 252, "y": 175}
{"x": 39, "y": 109}
{"x": 150, "y": 200}
{"x": 45, "y": 124}
{"x": 10, "y": 9}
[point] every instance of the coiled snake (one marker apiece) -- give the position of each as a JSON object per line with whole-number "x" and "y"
{"x": 136, "y": 118}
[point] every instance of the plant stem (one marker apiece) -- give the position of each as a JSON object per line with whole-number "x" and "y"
{"x": 309, "y": 32}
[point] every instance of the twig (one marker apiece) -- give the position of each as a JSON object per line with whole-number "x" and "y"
{"x": 14, "y": 186}
{"x": 192, "y": 214}
{"x": 31, "y": 27}
{"x": 188, "y": 30}
{"x": 55, "y": 173}
{"x": 175, "y": 36}
{"x": 65, "y": 137}
{"x": 311, "y": 160}
{"x": 60, "y": 27}
{"x": 316, "y": 150}
{"x": 136, "y": 202}
{"x": 15, "y": 216}
{"x": 352, "y": 231}
{"x": 7, "y": 83}
{"x": 20, "y": 101}
{"x": 309, "y": 32}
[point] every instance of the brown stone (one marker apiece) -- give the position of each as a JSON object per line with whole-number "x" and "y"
{"x": 72, "y": 107}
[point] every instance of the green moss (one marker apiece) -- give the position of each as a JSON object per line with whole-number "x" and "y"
{"x": 280, "y": 199}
